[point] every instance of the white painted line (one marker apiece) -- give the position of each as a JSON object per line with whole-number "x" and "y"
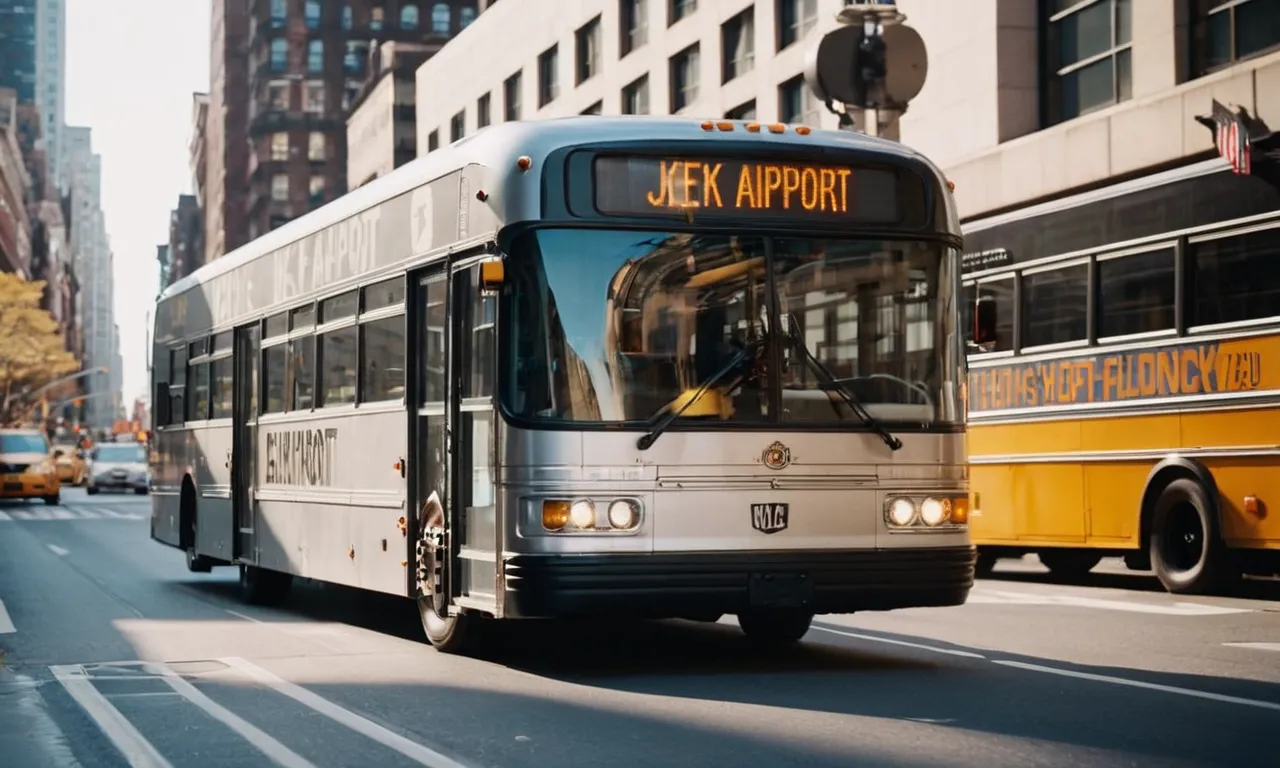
{"x": 998, "y": 597}
{"x": 133, "y": 745}
{"x": 6, "y": 624}
{"x": 57, "y": 550}
{"x": 88, "y": 514}
{"x": 4, "y": 516}
{"x": 112, "y": 513}
{"x": 239, "y": 615}
{"x": 22, "y": 515}
{"x": 362, "y": 725}
{"x": 62, "y": 514}
{"x": 277, "y": 752}
{"x": 1255, "y": 646}
{"x": 1219, "y": 697}
{"x": 918, "y": 646}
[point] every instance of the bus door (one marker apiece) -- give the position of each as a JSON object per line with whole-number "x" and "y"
{"x": 248, "y": 356}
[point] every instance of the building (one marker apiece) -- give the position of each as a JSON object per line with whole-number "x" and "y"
{"x": 226, "y": 134}
{"x": 51, "y": 86}
{"x": 186, "y": 240}
{"x": 381, "y": 134}
{"x": 15, "y": 189}
{"x": 542, "y": 58}
{"x": 18, "y": 61}
{"x": 166, "y": 267}
{"x": 196, "y": 148}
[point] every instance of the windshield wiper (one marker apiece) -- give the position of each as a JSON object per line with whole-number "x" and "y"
{"x": 830, "y": 384}
{"x": 661, "y": 424}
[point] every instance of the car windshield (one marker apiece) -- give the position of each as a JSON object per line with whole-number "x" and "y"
{"x": 614, "y": 326}
{"x": 121, "y": 454}
{"x": 23, "y": 444}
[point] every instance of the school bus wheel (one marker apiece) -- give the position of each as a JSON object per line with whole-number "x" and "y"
{"x": 1187, "y": 552}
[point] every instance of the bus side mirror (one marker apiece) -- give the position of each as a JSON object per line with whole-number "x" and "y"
{"x": 984, "y": 320}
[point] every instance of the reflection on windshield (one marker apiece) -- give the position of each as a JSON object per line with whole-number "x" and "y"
{"x": 23, "y": 444}
{"x": 616, "y": 326}
{"x": 121, "y": 454}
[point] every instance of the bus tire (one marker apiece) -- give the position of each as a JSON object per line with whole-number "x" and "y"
{"x": 188, "y": 522}
{"x": 1187, "y": 552}
{"x": 452, "y": 634}
{"x": 1069, "y": 563}
{"x": 775, "y": 627}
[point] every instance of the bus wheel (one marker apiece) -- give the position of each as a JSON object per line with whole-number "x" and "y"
{"x": 1186, "y": 547}
{"x": 452, "y": 634}
{"x": 776, "y": 627}
{"x": 259, "y": 586}
{"x": 1069, "y": 563}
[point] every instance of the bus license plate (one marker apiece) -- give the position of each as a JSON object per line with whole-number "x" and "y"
{"x": 780, "y": 590}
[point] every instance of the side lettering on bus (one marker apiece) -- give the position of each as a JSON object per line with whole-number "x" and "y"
{"x": 1131, "y": 376}
{"x": 301, "y": 457}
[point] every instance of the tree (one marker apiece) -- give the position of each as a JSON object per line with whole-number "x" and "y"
{"x": 32, "y": 350}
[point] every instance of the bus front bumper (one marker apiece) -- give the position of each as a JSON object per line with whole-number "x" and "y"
{"x": 701, "y": 584}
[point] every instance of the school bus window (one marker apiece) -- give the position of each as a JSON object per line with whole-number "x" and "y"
{"x": 387, "y": 293}
{"x": 222, "y": 342}
{"x": 1136, "y": 293}
{"x": 382, "y": 375}
{"x": 277, "y": 325}
{"x": 338, "y": 356}
{"x": 221, "y": 395}
{"x": 339, "y": 307}
{"x": 273, "y": 375}
{"x": 1236, "y": 278}
{"x": 301, "y": 373}
{"x": 198, "y": 403}
{"x": 302, "y": 317}
{"x": 1054, "y": 306}
{"x": 1000, "y": 292}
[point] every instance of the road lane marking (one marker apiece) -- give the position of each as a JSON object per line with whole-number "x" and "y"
{"x": 265, "y": 744}
{"x": 57, "y": 550}
{"x": 4, "y": 516}
{"x": 1255, "y": 646}
{"x": 59, "y": 513}
{"x": 1219, "y": 697}
{"x": 918, "y": 646}
{"x": 6, "y": 624}
{"x": 362, "y": 725}
{"x": 998, "y": 597}
{"x": 139, "y": 752}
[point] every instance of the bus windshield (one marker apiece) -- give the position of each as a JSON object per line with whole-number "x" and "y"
{"x": 615, "y": 326}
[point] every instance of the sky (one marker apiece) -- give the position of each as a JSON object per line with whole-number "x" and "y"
{"x": 132, "y": 67}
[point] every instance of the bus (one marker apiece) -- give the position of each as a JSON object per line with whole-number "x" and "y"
{"x": 585, "y": 367}
{"x": 1123, "y": 397}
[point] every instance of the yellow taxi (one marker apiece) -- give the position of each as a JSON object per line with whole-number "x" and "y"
{"x": 69, "y": 459}
{"x": 26, "y": 469}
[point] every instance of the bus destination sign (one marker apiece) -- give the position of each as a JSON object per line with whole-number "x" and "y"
{"x": 746, "y": 189}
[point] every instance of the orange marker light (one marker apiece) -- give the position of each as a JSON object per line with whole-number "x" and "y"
{"x": 524, "y": 163}
{"x": 960, "y": 510}
{"x": 725, "y": 126}
{"x": 803, "y": 130}
{"x": 753, "y": 127}
{"x": 777, "y": 128}
{"x": 708, "y": 126}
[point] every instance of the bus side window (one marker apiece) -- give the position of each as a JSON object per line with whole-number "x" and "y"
{"x": 985, "y": 320}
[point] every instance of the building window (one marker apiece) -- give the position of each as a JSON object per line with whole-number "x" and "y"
{"x": 511, "y": 97}
{"x": 548, "y": 82}
{"x": 745, "y": 111}
{"x": 409, "y": 17}
{"x": 482, "y": 111}
{"x": 441, "y": 18}
{"x": 1088, "y": 57}
{"x": 594, "y": 109}
{"x": 278, "y": 95}
{"x": 433, "y": 141}
{"x": 313, "y": 97}
{"x": 353, "y": 60}
{"x": 796, "y": 103}
{"x": 738, "y": 42}
{"x": 684, "y": 78}
{"x": 278, "y": 13}
{"x": 467, "y": 15}
{"x": 280, "y": 188}
{"x": 376, "y": 18}
{"x": 346, "y": 17}
{"x": 279, "y": 55}
{"x": 458, "y": 126}
{"x": 679, "y": 9}
{"x": 633, "y": 18}
{"x": 279, "y": 146}
{"x": 316, "y": 149}
{"x": 316, "y": 189}
{"x": 311, "y": 12}
{"x": 796, "y": 18}
{"x": 587, "y": 39}
{"x": 1226, "y": 31}
{"x": 315, "y": 56}
{"x": 635, "y": 97}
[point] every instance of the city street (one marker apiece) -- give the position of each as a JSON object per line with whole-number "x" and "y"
{"x": 113, "y": 654}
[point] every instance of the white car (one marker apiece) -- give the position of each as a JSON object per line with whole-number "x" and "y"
{"x": 119, "y": 466}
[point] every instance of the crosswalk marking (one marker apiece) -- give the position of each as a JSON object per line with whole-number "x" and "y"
{"x": 1001, "y": 597}
{"x": 62, "y": 513}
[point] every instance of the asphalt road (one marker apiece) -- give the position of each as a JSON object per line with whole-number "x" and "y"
{"x": 110, "y": 648}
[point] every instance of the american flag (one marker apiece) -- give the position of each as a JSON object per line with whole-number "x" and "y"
{"x": 1231, "y": 136}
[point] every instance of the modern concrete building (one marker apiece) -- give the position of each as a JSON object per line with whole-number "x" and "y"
{"x": 381, "y": 133}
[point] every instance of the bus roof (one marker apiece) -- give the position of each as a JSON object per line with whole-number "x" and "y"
{"x": 501, "y": 144}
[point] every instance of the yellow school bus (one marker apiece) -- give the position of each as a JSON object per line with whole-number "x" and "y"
{"x": 1124, "y": 384}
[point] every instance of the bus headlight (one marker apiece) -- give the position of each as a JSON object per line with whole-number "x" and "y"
{"x": 623, "y": 514}
{"x": 569, "y": 516}
{"x": 934, "y": 512}
{"x": 583, "y": 514}
{"x": 941, "y": 512}
{"x": 901, "y": 512}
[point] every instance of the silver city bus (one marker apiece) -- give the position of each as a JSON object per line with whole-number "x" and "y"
{"x": 641, "y": 367}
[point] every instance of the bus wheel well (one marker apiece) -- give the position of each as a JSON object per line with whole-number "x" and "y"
{"x": 187, "y": 514}
{"x": 1172, "y": 468}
